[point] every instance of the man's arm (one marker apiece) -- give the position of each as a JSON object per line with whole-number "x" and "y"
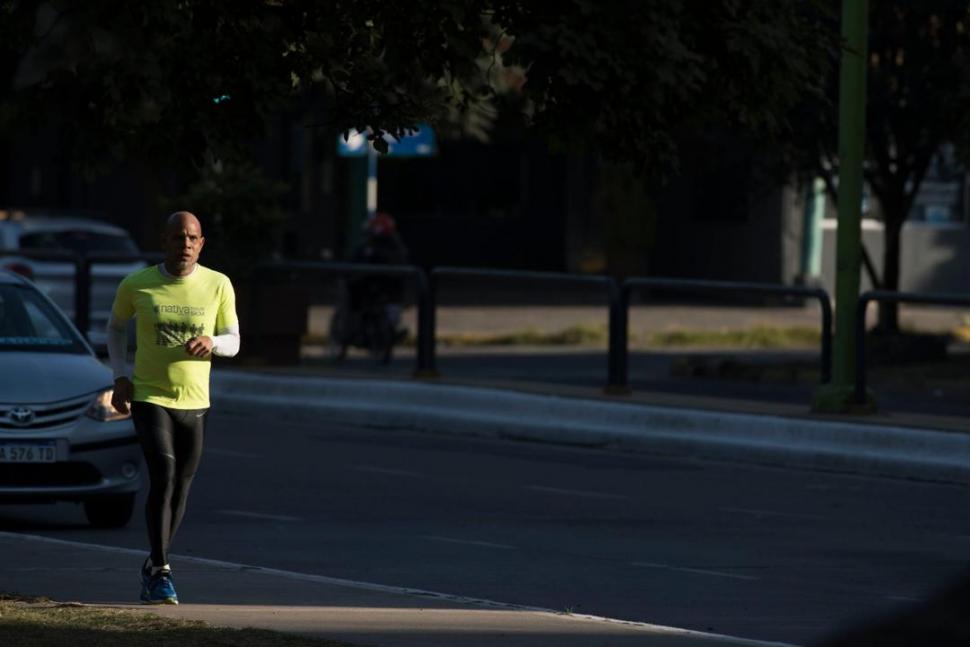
{"x": 226, "y": 341}
{"x": 225, "y": 344}
{"x": 117, "y": 342}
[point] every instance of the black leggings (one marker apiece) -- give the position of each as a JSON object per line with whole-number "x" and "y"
{"x": 171, "y": 440}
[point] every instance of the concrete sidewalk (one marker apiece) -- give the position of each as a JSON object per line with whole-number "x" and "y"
{"x": 239, "y": 595}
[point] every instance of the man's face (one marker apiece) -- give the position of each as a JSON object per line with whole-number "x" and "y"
{"x": 182, "y": 243}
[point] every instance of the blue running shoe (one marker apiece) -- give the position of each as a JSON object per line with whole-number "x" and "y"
{"x": 161, "y": 589}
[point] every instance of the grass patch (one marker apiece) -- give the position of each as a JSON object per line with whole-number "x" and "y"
{"x": 580, "y": 335}
{"x": 589, "y": 335}
{"x": 38, "y": 622}
{"x": 762, "y": 337}
{"x": 757, "y": 337}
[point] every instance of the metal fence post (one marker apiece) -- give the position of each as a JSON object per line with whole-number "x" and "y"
{"x": 618, "y": 379}
{"x": 426, "y": 324}
{"x": 860, "y": 348}
{"x": 826, "y": 368}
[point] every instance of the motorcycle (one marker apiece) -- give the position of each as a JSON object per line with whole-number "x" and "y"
{"x": 368, "y": 321}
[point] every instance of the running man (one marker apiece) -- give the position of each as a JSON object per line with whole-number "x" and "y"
{"x": 185, "y": 313}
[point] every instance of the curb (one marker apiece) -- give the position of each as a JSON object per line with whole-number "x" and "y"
{"x": 925, "y": 454}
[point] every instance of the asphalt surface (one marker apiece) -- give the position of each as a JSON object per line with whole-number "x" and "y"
{"x": 783, "y": 554}
{"x": 756, "y": 552}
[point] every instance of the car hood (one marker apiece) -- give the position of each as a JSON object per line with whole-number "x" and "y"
{"x": 29, "y": 378}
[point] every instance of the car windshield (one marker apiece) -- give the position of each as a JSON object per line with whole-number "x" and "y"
{"x": 78, "y": 240}
{"x": 28, "y": 322}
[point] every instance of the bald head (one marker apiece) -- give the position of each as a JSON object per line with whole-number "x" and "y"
{"x": 182, "y": 243}
{"x": 180, "y": 219}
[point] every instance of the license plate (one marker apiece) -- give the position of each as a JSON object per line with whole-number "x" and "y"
{"x": 28, "y": 452}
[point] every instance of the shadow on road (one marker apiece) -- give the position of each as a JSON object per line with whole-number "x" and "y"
{"x": 942, "y": 621}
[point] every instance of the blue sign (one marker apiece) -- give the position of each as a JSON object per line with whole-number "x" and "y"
{"x": 419, "y": 144}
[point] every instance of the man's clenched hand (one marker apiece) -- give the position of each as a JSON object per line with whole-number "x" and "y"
{"x": 121, "y": 398}
{"x": 199, "y": 346}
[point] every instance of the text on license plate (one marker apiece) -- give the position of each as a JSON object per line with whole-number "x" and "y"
{"x": 25, "y": 452}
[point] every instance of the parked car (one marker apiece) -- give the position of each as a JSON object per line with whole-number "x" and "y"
{"x": 41, "y": 233}
{"x": 60, "y": 438}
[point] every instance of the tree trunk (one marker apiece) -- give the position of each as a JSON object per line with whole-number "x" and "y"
{"x": 889, "y": 312}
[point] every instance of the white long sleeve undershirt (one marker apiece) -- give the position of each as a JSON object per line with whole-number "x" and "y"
{"x": 117, "y": 343}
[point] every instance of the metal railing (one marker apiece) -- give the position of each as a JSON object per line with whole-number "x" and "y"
{"x": 887, "y": 296}
{"x": 425, "y": 359}
{"x": 615, "y": 380}
{"x": 426, "y": 287}
{"x": 729, "y": 287}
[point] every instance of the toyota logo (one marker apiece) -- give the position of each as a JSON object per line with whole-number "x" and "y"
{"x": 21, "y": 416}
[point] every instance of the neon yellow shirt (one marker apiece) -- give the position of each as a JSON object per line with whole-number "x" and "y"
{"x": 169, "y": 311}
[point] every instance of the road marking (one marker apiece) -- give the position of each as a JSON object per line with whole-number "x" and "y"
{"x": 259, "y": 515}
{"x": 384, "y": 470}
{"x": 696, "y": 571}
{"x": 383, "y": 588}
{"x": 772, "y": 513}
{"x": 230, "y": 452}
{"x": 583, "y": 493}
{"x": 485, "y": 544}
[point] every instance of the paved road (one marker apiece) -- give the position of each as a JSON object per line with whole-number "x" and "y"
{"x": 743, "y": 550}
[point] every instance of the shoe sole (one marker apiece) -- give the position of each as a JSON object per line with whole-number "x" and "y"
{"x": 145, "y": 597}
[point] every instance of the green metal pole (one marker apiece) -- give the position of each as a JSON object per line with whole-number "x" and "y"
{"x": 852, "y": 128}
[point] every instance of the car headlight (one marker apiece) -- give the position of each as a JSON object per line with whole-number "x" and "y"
{"x": 101, "y": 409}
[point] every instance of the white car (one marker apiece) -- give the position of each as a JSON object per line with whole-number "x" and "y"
{"x": 60, "y": 438}
{"x": 41, "y": 233}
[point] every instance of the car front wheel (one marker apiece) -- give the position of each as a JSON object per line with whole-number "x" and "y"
{"x": 112, "y": 511}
